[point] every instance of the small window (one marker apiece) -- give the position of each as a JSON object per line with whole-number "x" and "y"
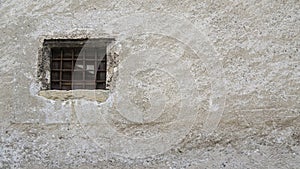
{"x": 77, "y": 64}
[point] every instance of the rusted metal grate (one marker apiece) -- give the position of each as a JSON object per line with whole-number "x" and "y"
{"x": 77, "y": 65}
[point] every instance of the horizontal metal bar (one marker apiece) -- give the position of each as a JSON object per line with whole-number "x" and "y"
{"x": 70, "y": 59}
{"x": 75, "y": 81}
{"x": 78, "y": 42}
{"x": 75, "y": 70}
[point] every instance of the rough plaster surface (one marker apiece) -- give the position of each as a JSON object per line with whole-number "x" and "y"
{"x": 194, "y": 85}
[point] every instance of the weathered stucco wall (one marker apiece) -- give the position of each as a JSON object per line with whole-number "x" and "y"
{"x": 195, "y": 84}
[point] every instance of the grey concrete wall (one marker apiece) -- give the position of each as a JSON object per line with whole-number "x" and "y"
{"x": 195, "y": 84}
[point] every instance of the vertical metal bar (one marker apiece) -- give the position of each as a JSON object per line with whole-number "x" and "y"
{"x": 96, "y": 67}
{"x": 72, "y": 67}
{"x": 51, "y": 66}
{"x": 105, "y": 61}
{"x": 84, "y": 67}
{"x": 73, "y": 58}
{"x": 61, "y": 67}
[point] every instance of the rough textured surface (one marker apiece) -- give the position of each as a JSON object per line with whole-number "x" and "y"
{"x": 91, "y": 95}
{"x": 210, "y": 84}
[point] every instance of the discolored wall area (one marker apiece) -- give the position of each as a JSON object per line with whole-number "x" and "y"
{"x": 191, "y": 85}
